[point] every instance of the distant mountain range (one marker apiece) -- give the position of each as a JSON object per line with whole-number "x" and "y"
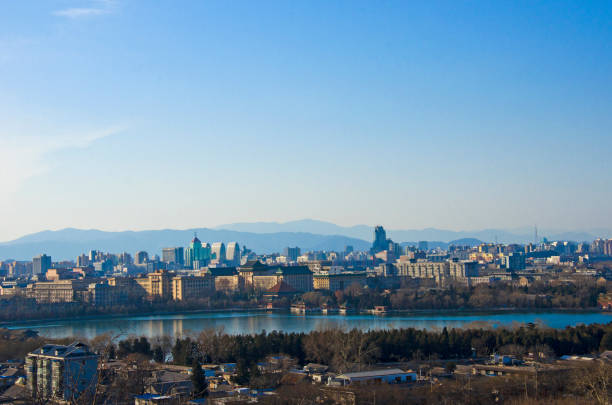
{"x": 262, "y": 237}
{"x": 69, "y": 243}
{"x": 365, "y": 232}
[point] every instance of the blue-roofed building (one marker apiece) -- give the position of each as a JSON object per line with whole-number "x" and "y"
{"x": 228, "y": 367}
{"x": 197, "y": 401}
{"x": 154, "y": 399}
{"x": 389, "y": 376}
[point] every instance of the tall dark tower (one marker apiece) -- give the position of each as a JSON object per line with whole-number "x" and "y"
{"x": 380, "y": 239}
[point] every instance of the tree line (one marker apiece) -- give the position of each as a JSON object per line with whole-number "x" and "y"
{"x": 539, "y": 295}
{"x": 356, "y": 349}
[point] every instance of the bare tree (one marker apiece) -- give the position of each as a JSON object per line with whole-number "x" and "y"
{"x": 596, "y": 381}
{"x": 512, "y": 350}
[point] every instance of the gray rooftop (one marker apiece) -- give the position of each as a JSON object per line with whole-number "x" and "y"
{"x": 76, "y": 349}
{"x": 373, "y": 373}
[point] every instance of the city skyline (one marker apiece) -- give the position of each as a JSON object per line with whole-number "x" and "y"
{"x": 118, "y": 115}
{"x": 269, "y": 238}
{"x": 305, "y": 202}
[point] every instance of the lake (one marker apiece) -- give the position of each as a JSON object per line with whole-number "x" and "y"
{"x": 237, "y": 322}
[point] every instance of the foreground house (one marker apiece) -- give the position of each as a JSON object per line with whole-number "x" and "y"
{"x": 168, "y": 383}
{"x": 60, "y": 372}
{"x": 389, "y": 376}
{"x": 154, "y": 399}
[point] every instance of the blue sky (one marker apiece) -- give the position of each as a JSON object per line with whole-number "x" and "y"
{"x": 128, "y": 114}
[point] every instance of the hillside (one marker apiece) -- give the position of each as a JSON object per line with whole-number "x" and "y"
{"x": 69, "y": 243}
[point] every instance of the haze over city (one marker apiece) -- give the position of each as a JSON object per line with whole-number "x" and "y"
{"x": 119, "y": 115}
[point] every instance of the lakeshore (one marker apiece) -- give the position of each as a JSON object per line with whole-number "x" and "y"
{"x": 236, "y": 321}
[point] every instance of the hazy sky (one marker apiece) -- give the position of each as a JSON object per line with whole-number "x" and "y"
{"x": 132, "y": 114}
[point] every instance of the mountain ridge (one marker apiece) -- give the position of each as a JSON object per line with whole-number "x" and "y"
{"x": 70, "y": 242}
{"x": 262, "y": 237}
{"x": 365, "y": 232}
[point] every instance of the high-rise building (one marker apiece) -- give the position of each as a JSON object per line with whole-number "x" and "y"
{"x": 141, "y": 257}
{"x": 218, "y": 252}
{"x": 104, "y": 266}
{"x": 40, "y": 264}
{"x": 197, "y": 255}
{"x": 292, "y": 253}
{"x": 583, "y": 248}
{"x": 598, "y": 246}
{"x": 232, "y": 254}
{"x": 82, "y": 261}
{"x": 380, "y": 240}
{"x": 168, "y": 255}
{"x": 514, "y": 261}
{"x": 174, "y": 256}
{"x": 395, "y": 248}
{"x": 124, "y": 259}
{"x": 423, "y": 246}
{"x": 608, "y": 247}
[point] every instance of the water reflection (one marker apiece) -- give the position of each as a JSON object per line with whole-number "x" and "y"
{"x": 254, "y": 322}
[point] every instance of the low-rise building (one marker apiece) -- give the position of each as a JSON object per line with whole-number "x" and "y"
{"x": 251, "y": 269}
{"x": 260, "y": 277}
{"x": 102, "y": 294}
{"x": 191, "y": 287}
{"x": 128, "y": 286}
{"x": 170, "y": 383}
{"x": 262, "y": 282}
{"x": 225, "y": 278}
{"x": 460, "y": 269}
{"x": 10, "y": 288}
{"x": 281, "y": 289}
{"x": 438, "y": 271}
{"x": 389, "y": 376}
{"x": 57, "y": 291}
{"x": 339, "y": 281}
{"x": 298, "y": 277}
{"x": 157, "y": 285}
{"x": 423, "y": 269}
{"x": 9, "y": 376}
{"x": 155, "y": 399}
{"x": 489, "y": 279}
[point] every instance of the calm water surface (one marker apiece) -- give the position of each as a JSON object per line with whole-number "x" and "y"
{"x": 237, "y": 322}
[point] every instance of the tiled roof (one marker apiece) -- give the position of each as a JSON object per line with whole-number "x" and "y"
{"x": 293, "y": 270}
{"x": 281, "y": 288}
{"x": 253, "y": 265}
{"x": 222, "y": 271}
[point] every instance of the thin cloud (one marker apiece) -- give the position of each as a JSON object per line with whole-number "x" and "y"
{"x": 80, "y": 12}
{"x": 24, "y": 157}
{"x": 100, "y": 7}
